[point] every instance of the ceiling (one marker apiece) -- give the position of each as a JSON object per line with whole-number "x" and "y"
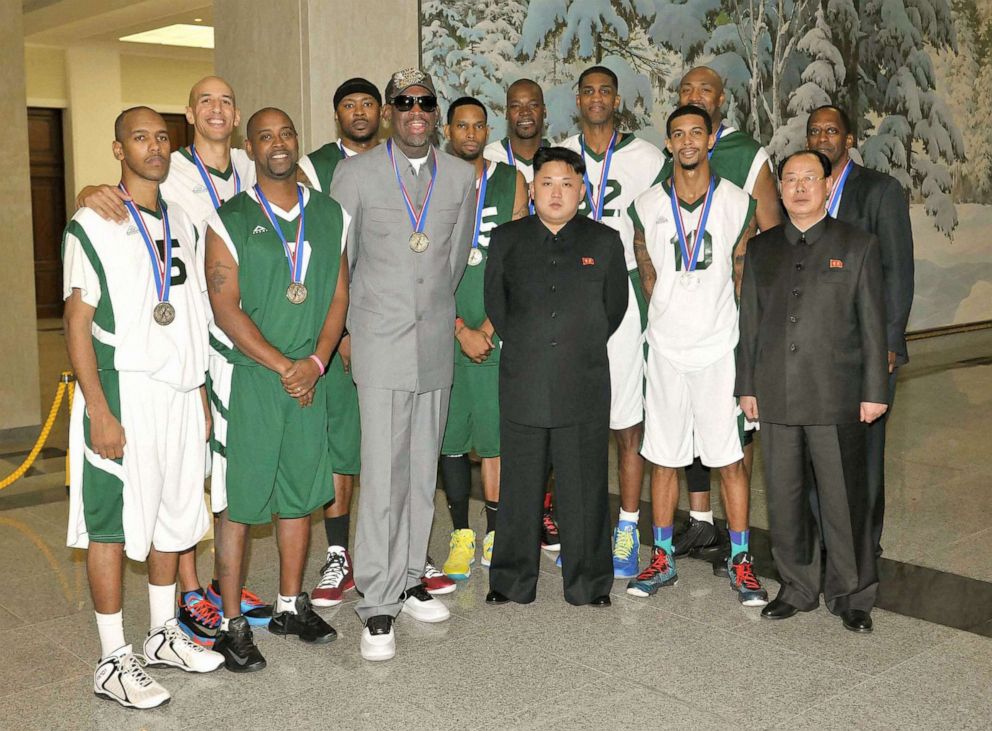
{"x": 68, "y": 22}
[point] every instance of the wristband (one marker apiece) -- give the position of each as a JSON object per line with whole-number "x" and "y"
{"x": 315, "y": 359}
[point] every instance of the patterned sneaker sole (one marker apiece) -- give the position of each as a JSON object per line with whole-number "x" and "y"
{"x": 201, "y": 640}
{"x": 754, "y": 602}
{"x": 125, "y": 704}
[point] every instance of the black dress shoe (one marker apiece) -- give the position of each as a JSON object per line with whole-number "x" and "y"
{"x": 601, "y": 601}
{"x": 494, "y": 597}
{"x": 856, "y": 620}
{"x": 779, "y": 609}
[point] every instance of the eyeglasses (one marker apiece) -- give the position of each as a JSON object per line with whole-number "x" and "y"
{"x": 404, "y": 103}
{"x": 806, "y": 180}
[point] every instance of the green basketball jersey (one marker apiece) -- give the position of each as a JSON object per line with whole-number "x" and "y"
{"x": 501, "y": 188}
{"x": 736, "y": 157}
{"x": 263, "y": 269}
{"x": 321, "y": 163}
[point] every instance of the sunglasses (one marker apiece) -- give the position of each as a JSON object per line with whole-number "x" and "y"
{"x": 404, "y": 103}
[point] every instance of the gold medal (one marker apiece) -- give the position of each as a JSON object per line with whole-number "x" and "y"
{"x": 164, "y": 313}
{"x": 297, "y": 293}
{"x": 419, "y": 242}
{"x": 474, "y": 257}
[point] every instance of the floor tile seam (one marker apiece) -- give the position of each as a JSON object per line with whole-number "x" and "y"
{"x": 8, "y": 697}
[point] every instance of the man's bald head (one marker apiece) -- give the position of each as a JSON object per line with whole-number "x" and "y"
{"x": 525, "y": 84}
{"x": 703, "y": 87}
{"x": 267, "y": 117}
{"x": 210, "y": 85}
{"x": 127, "y": 120}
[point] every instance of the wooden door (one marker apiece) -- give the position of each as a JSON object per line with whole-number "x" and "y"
{"x": 180, "y": 131}
{"x": 48, "y": 215}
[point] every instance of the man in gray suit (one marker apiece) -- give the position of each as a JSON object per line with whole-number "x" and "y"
{"x": 412, "y": 209}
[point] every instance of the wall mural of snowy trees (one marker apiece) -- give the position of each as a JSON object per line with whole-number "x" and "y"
{"x": 915, "y": 76}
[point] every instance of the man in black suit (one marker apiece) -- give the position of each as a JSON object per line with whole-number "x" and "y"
{"x": 812, "y": 370}
{"x": 876, "y": 203}
{"x": 555, "y": 290}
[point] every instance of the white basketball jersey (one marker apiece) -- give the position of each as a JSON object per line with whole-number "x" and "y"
{"x": 635, "y": 165}
{"x": 185, "y": 187}
{"x": 111, "y": 266}
{"x": 497, "y": 152}
{"x": 692, "y": 321}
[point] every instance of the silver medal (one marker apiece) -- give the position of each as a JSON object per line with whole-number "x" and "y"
{"x": 474, "y": 257}
{"x": 164, "y": 313}
{"x": 419, "y": 242}
{"x": 689, "y": 280}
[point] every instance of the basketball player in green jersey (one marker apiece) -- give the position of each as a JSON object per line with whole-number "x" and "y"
{"x": 473, "y": 412}
{"x": 357, "y": 107}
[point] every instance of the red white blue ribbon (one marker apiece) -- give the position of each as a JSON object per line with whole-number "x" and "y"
{"x": 161, "y": 264}
{"x": 596, "y": 206}
{"x": 719, "y": 134}
{"x": 417, "y": 218}
{"x": 834, "y": 203}
{"x": 480, "y": 203}
{"x": 208, "y": 180}
{"x": 295, "y": 256}
{"x": 690, "y": 255}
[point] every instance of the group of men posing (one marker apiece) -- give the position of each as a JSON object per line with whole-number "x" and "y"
{"x": 296, "y": 313}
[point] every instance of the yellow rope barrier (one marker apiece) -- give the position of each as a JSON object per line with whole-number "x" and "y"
{"x": 65, "y": 382}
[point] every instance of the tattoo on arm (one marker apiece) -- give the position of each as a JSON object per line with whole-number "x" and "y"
{"x": 644, "y": 264}
{"x": 740, "y": 251}
{"x": 217, "y": 276}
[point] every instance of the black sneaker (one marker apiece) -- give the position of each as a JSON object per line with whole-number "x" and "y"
{"x": 237, "y": 645}
{"x": 549, "y": 533}
{"x": 695, "y": 537}
{"x": 305, "y": 623}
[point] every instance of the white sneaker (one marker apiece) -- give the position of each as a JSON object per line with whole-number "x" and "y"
{"x": 379, "y": 639}
{"x": 169, "y": 646}
{"x": 121, "y": 677}
{"x": 420, "y": 605}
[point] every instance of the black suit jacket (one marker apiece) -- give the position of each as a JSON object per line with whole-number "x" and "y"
{"x": 812, "y": 329}
{"x": 876, "y": 203}
{"x": 554, "y": 300}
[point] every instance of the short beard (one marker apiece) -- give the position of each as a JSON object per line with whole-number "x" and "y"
{"x": 361, "y": 139}
{"x": 536, "y": 133}
{"x": 689, "y": 166}
{"x": 471, "y": 157}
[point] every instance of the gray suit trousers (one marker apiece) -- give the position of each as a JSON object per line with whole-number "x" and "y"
{"x": 401, "y": 441}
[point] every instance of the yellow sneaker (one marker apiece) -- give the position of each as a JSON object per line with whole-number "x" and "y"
{"x": 461, "y": 554}
{"x": 487, "y": 548}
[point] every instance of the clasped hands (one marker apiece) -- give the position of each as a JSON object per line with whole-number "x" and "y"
{"x": 299, "y": 379}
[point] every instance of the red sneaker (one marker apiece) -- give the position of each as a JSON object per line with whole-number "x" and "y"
{"x": 335, "y": 579}
{"x": 436, "y": 582}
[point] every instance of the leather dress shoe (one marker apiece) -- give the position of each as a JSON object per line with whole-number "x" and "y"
{"x": 779, "y": 609}
{"x": 856, "y": 620}
{"x": 601, "y": 601}
{"x": 494, "y": 597}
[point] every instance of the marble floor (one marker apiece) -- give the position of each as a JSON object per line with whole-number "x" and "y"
{"x": 690, "y": 657}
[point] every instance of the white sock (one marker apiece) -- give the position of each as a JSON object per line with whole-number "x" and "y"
{"x": 286, "y": 604}
{"x": 161, "y": 604}
{"x": 111, "y": 630}
{"x": 699, "y": 515}
{"x": 630, "y": 517}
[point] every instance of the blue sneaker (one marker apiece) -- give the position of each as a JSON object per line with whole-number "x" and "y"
{"x": 257, "y": 612}
{"x": 558, "y": 561}
{"x": 626, "y": 544}
{"x": 744, "y": 582}
{"x": 660, "y": 572}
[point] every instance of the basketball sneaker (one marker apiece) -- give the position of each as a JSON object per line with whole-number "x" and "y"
{"x": 436, "y": 582}
{"x": 744, "y": 582}
{"x": 335, "y": 578}
{"x": 168, "y": 646}
{"x": 121, "y": 677}
{"x": 626, "y": 545}
{"x": 487, "y": 548}
{"x": 659, "y": 573}
{"x": 253, "y": 609}
{"x": 198, "y": 617}
{"x": 461, "y": 554}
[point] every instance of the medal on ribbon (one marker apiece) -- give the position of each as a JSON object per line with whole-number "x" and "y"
{"x": 690, "y": 254}
{"x": 418, "y": 239}
{"x": 512, "y": 162}
{"x": 208, "y": 180}
{"x": 834, "y": 203}
{"x": 719, "y": 134}
{"x": 164, "y": 312}
{"x": 297, "y": 291}
{"x": 475, "y": 255}
{"x": 596, "y": 206}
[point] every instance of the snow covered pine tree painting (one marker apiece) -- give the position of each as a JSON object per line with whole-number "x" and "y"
{"x": 909, "y": 72}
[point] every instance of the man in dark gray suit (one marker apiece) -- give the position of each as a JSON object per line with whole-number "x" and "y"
{"x": 876, "y": 203}
{"x": 412, "y": 209}
{"x": 811, "y": 368}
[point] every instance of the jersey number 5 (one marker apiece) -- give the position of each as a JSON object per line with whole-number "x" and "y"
{"x": 178, "y": 265}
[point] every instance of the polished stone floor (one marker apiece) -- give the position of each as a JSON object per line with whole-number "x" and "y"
{"x": 690, "y": 657}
